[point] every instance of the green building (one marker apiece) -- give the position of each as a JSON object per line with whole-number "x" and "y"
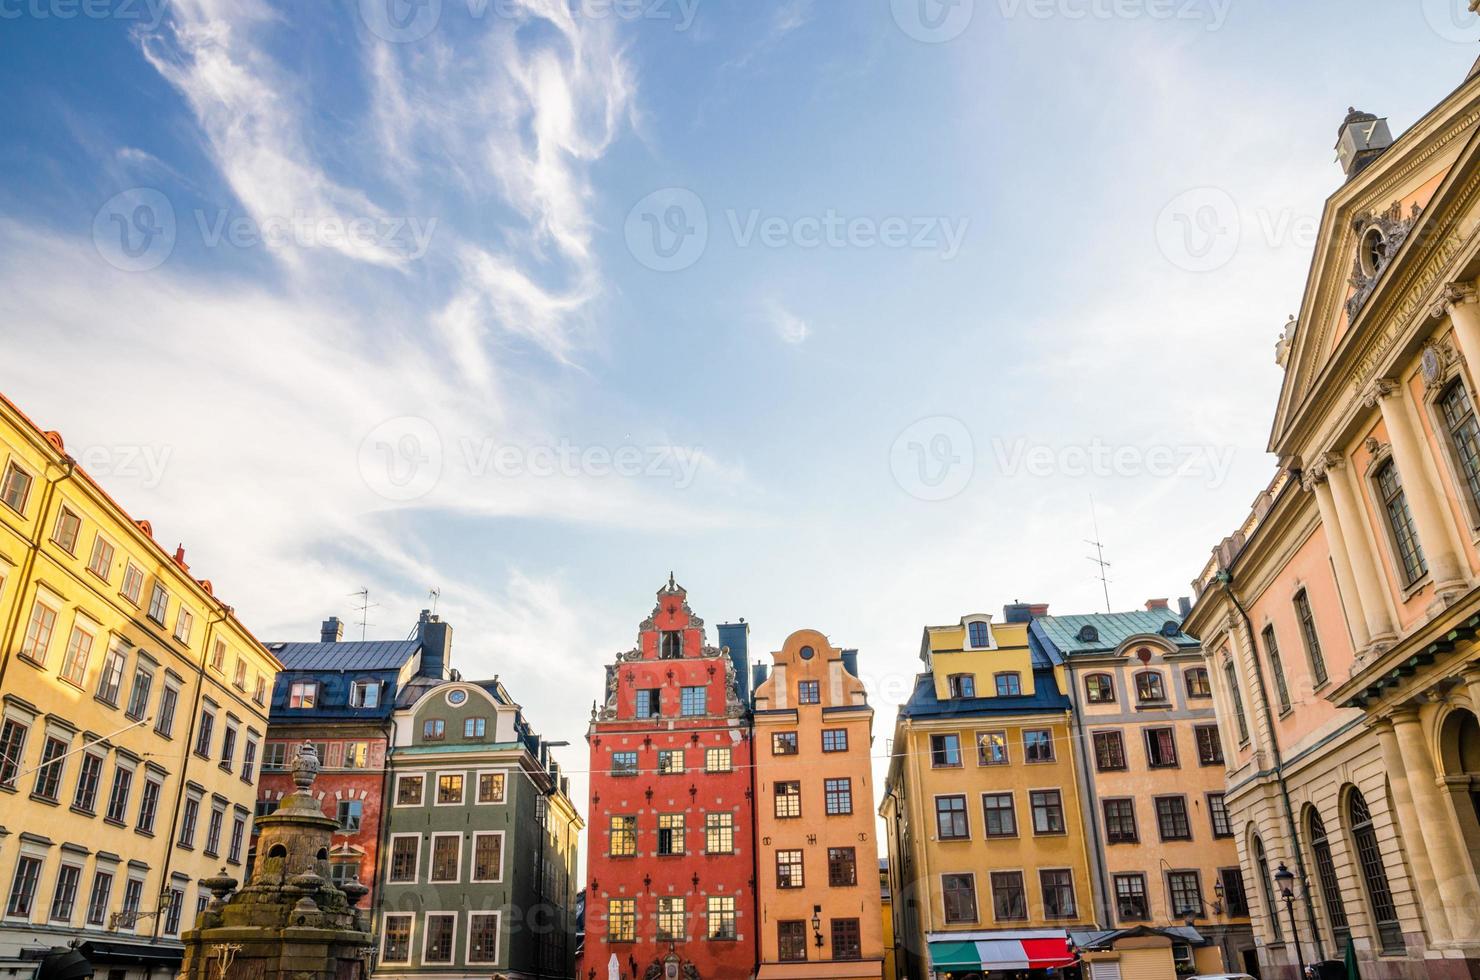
{"x": 478, "y": 862}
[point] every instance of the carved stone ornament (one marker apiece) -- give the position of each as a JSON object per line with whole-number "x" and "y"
{"x": 1373, "y": 447}
{"x": 1453, "y": 294}
{"x": 1286, "y": 342}
{"x": 1372, "y": 260}
{"x": 1378, "y": 390}
{"x": 1435, "y": 361}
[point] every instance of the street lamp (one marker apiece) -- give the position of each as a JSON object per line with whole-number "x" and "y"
{"x": 817, "y": 925}
{"x": 1285, "y": 879}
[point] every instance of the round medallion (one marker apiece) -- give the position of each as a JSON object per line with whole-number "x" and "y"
{"x": 1432, "y": 365}
{"x": 806, "y": 653}
{"x": 456, "y": 697}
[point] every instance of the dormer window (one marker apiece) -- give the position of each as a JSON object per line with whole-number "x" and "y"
{"x": 303, "y": 694}
{"x": 979, "y": 635}
{"x": 1088, "y": 634}
{"x": 962, "y": 685}
{"x": 364, "y": 694}
{"x": 1170, "y": 628}
{"x": 1009, "y": 684}
{"x": 670, "y": 645}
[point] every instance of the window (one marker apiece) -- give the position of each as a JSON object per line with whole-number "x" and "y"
{"x": 67, "y": 528}
{"x": 64, "y": 897}
{"x": 671, "y": 647}
{"x": 789, "y": 869}
{"x": 951, "y": 822}
{"x": 188, "y": 821}
{"x": 945, "y": 751}
{"x": 719, "y": 833}
{"x": 133, "y": 583}
{"x": 1209, "y": 748}
{"x": 133, "y": 895}
{"x": 213, "y": 830}
{"x": 408, "y": 789}
{"x": 249, "y": 760}
{"x": 979, "y": 635}
{"x": 159, "y": 603}
{"x": 1058, "y": 894}
{"x": 1311, "y": 638}
{"x": 349, "y": 813}
{"x": 999, "y": 816}
{"x": 49, "y": 773}
{"x": 1109, "y": 751}
{"x": 1099, "y": 689}
{"x": 15, "y": 489}
{"x": 110, "y": 678}
{"x": 1048, "y": 811}
{"x": 962, "y": 685}
{"x": 34, "y": 646}
{"x": 491, "y": 787}
{"x": 1236, "y": 696}
{"x": 1400, "y": 524}
{"x": 791, "y": 941}
{"x": 1196, "y": 679}
{"x": 483, "y": 937}
{"x": 1130, "y": 898}
{"x": 176, "y": 908}
{"x": 1161, "y": 748}
{"x": 783, "y": 743}
{"x": 788, "y": 800}
{"x": 649, "y": 703}
{"x": 842, "y": 867}
{"x": 623, "y": 836}
{"x": 1171, "y": 818}
{"x": 12, "y": 750}
{"x": 74, "y": 663}
{"x": 405, "y": 856}
{"x": 838, "y": 794}
{"x": 1218, "y": 816}
{"x": 259, "y": 688}
{"x": 238, "y": 838}
{"x": 228, "y": 746}
{"x": 97, "y": 903}
{"x": 1150, "y": 686}
{"x": 670, "y": 762}
{"x": 847, "y": 943}
{"x": 475, "y": 727}
{"x": 1235, "y": 898}
{"x": 671, "y": 920}
{"x": 303, "y": 694}
{"x": 266, "y": 808}
{"x": 441, "y": 929}
{"x": 446, "y": 857}
{"x": 169, "y": 698}
{"x": 1120, "y": 822}
{"x": 1009, "y": 896}
{"x": 364, "y": 694}
{"x": 671, "y": 834}
{"x": 809, "y": 692}
{"x": 148, "y": 806}
{"x": 204, "y": 732}
{"x": 835, "y": 740}
{"x": 433, "y": 730}
{"x": 1320, "y": 844}
{"x": 720, "y": 916}
{"x": 1037, "y": 745}
{"x": 624, "y": 763}
{"x": 184, "y": 622}
{"x": 991, "y": 749}
{"x": 123, "y": 780}
{"x": 89, "y": 775}
{"x": 1374, "y": 874}
{"x": 691, "y": 701}
{"x": 1464, "y": 435}
{"x": 1276, "y": 667}
{"x": 621, "y": 920}
{"x": 1271, "y": 910}
{"x": 717, "y": 760}
{"x": 1185, "y": 889}
{"x": 449, "y": 788}
{"x": 100, "y": 562}
{"x": 397, "y": 948}
{"x": 1009, "y": 685}
{"x": 23, "y": 887}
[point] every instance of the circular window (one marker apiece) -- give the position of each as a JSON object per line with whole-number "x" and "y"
{"x": 806, "y": 653}
{"x": 1373, "y": 251}
{"x": 456, "y": 697}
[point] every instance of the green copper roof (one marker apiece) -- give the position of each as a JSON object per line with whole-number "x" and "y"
{"x": 1112, "y": 630}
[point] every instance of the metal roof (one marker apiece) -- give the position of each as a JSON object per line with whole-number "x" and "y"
{"x": 352, "y": 655}
{"x": 1045, "y": 698}
{"x": 1113, "y": 629}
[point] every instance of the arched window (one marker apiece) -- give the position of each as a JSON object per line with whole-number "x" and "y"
{"x": 1099, "y": 688}
{"x": 1266, "y": 890}
{"x": 1150, "y": 686}
{"x": 1198, "y": 685}
{"x": 1326, "y": 872}
{"x": 1400, "y": 524}
{"x": 1464, "y": 435}
{"x": 1374, "y": 875}
{"x": 979, "y": 634}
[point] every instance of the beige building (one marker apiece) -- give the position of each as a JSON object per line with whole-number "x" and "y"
{"x": 134, "y": 706}
{"x": 818, "y": 860}
{"x": 1339, "y": 620}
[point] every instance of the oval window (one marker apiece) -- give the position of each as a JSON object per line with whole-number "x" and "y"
{"x": 456, "y": 697}
{"x": 806, "y": 653}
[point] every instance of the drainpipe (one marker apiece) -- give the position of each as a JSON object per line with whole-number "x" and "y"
{"x": 1087, "y": 792}
{"x": 1292, "y": 826}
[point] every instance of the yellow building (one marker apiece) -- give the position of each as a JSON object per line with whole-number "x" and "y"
{"x": 818, "y": 856}
{"x": 134, "y": 707}
{"x": 988, "y": 858}
{"x": 886, "y": 902}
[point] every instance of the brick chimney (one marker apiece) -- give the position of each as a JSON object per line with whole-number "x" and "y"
{"x": 1152, "y": 605}
{"x": 331, "y": 630}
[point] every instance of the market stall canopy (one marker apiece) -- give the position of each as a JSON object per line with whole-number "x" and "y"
{"x": 1038, "y": 949}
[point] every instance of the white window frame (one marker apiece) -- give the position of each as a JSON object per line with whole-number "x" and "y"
{"x": 396, "y": 794}
{"x": 155, "y": 591}
{"x": 437, "y": 785}
{"x": 502, "y": 858}
{"x": 63, "y": 511}
{"x": 101, "y": 540}
{"x": 410, "y": 936}
{"x": 132, "y": 571}
{"x": 184, "y": 623}
{"x": 478, "y": 778}
{"x": 29, "y": 473}
{"x": 426, "y": 934}
{"x": 415, "y": 878}
{"x": 498, "y": 927}
{"x": 432, "y": 858}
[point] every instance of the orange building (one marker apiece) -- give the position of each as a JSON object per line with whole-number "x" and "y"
{"x": 818, "y": 859}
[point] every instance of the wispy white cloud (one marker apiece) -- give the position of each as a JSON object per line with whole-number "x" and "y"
{"x": 792, "y": 329}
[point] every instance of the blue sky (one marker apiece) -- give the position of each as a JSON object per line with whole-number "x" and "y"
{"x": 866, "y": 310}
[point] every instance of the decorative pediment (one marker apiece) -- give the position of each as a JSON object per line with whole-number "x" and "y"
{"x": 1378, "y": 236}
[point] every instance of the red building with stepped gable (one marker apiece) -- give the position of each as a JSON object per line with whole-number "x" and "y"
{"x": 671, "y": 868}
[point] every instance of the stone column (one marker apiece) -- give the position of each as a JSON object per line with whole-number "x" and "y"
{"x": 1371, "y": 586}
{"x": 1319, "y": 484}
{"x": 1458, "y": 301}
{"x": 1412, "y": 837}
{"x": 1458, "y": 894}
{"x": 1421, "y": 484}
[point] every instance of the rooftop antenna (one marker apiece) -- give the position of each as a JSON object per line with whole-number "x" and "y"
{"x": 433, "y": 596}
{"x": 365, "y": 606}
{"x": 1099, "y": 556}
